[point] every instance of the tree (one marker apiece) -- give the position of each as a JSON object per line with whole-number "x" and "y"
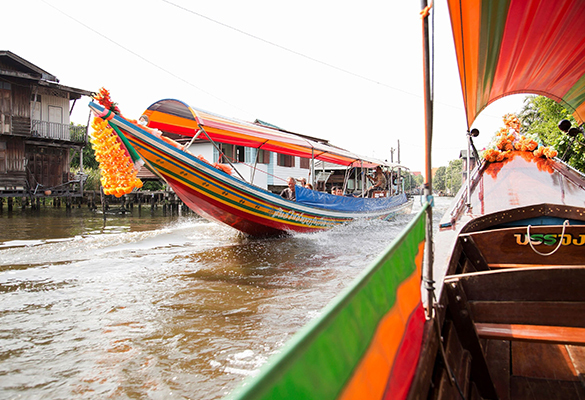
{"x": 439, "y": 180}
{"x": 540, "y": 116}
{"x": 411, "y": 181}
{"x": 454, "y": 176}
{"x": 89, "y": 161}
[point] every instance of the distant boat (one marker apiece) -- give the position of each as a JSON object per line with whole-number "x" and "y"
{"x": 216, "y": 194}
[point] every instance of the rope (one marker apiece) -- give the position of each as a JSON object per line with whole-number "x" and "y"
{"x": 558, "y": 246}
{"x": 426, "y": 11}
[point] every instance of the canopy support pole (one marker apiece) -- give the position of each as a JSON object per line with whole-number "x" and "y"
{"x": 428, "y": 187}
{"x": 399, "y": 189}
{"x": 468, "y": 170}
{"x": 195, "y": 136}
{"x": 255, "y": 165}
{"x": 256, "y": 162}
{"x": 363, "y": 177}
{"x": 221, "y": 153}
{"x": 313, "y": 167}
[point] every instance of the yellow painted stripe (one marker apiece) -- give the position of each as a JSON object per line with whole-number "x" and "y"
{"x": 192, "y": 178}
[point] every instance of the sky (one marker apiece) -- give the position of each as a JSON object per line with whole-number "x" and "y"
{"x": 349, "y": 72}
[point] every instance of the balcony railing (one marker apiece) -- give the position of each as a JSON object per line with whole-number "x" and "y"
{"x": 53, "y": 130}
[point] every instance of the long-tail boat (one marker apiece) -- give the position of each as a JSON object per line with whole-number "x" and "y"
{"x": 503, "y": 310}
{"x": 215, "y": 193}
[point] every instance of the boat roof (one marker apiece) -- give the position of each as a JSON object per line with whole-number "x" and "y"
{"x": 175, "y": 116}
{"x": 520, "y": 46}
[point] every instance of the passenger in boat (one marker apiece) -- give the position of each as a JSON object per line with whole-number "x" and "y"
{"x": 339, "y": 191}
{"x": 378, "y": 181}
{"x": 309, "y": 186}
{"x": 334, "y": 190}
{"x": 289, "y": 192}
{"x": 302, "y": 181}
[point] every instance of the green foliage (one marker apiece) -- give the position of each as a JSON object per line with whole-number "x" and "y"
{"x": 439, "y": 180}
{"x": 540, "y": 116}
{"x": 453, "y": 176}
{"x": 89, "y": 160}
{"x": 412, "y": 181}
{"x": 153, "y": 186}
{"x": 93, "y": 179}
{"x": 449, "y": 179}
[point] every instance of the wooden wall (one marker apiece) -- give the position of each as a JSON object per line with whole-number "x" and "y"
{"x": 48, "y": 165}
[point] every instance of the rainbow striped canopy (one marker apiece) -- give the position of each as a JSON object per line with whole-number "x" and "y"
{"x": 520, "y": 46}
{"x": 174, "y": 116}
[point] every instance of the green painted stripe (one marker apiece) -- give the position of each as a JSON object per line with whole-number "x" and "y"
{"x": 576, "y": 95}
{"x": 324, "y": 221}
{"x": 133, "y": 154}
{"x": 318, "y": 361}
{"x": 493, "y": 22}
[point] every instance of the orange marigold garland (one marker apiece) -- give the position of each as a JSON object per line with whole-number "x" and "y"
{"x": 507, "y": 140}
{"x": 117, "y": 170}
{"x": 103, "y": 97}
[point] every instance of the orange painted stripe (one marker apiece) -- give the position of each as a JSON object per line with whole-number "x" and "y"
{"x": 371, "y": 375}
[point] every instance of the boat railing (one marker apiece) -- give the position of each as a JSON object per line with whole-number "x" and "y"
{"x": 461, "y": 199}
{"x": 572, "y": 171}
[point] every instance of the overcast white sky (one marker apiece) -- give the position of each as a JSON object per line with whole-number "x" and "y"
{"x": 364, "y": 93}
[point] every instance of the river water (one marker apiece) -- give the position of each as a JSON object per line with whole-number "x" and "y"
{"x": 152, "y": 306}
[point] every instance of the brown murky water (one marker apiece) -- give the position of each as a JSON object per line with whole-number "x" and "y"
{"x": 146, "y": 306}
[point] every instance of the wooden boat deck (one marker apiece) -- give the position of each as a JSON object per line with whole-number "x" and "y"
{"x": 511, "y": 320}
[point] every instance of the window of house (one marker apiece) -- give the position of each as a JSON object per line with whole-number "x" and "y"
{"x": 2, "y": 156}
{"x": 55, "y": 114}
{"x": 232, "y": 153}
{"x": 263, "y": 157}
{"x": 284, "y": 160}
{"x": 305, "y": 163}
{"x": 5, "y": 107}
{"x": 35, "y": 107}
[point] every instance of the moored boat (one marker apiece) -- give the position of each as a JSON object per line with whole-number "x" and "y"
{"x": 218, "y": 195}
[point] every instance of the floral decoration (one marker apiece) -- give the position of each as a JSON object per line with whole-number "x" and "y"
{"x": 508, "y": 139}
{"x": 117, "y": 170}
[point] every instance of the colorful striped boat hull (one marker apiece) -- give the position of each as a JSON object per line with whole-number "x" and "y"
{"x": 218, "y": 196}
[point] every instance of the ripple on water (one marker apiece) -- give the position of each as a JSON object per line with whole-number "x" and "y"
{"x": 182, "y": 309}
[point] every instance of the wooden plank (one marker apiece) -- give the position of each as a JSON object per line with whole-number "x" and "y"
{"x": 503, "y": 265}
{"x": 529, "y": 313}
{"x": 458, "y": 359}
{"x": 510, "y": 245}
{"x": 544, "y": 389}
{"x": 461, "y": 316}
{"x": 445, "y": 390}
{"x": 527, "y": 284}
{"x": 473, "y": 254}
{"x": 532, "y": 333}
{"x": 542, "y": 361}
{"x": 420, "y": 383}
{"x": 577, "y": 355}
{"x": 497, "y": 357}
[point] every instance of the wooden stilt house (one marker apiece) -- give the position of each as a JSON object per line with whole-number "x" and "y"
{"x": 35, "y": 132}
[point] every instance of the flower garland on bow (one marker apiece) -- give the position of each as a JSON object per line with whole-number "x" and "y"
{"x": 508, "y": 139}
{"x": 117, "y": 169}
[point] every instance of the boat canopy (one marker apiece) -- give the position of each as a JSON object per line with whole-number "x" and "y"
{"x": 174, "y": 116}
{"x": 520, "y": 46}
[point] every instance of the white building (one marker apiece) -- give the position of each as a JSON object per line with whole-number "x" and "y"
{"x": 271, "y": 169}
